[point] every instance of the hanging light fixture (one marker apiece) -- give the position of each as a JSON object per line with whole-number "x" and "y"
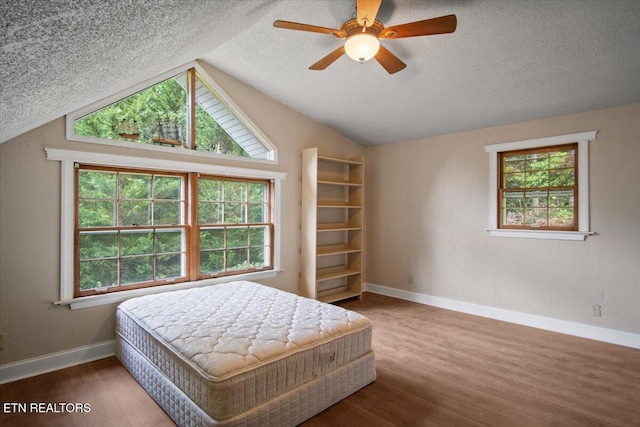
{"x": 362, "y": 45}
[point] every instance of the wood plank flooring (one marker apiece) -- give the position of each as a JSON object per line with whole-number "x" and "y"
{"x": 435, "y": 368}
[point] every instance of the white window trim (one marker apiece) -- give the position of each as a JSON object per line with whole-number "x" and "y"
{"x": 224, "y": 98}
{"x": 68, "y": 159}
{"x": 582, "y": 139}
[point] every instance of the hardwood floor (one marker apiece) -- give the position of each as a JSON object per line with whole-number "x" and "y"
{"x": 435, "y": 368}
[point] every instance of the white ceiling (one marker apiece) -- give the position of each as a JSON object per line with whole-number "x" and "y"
{"x": 508, "y": 60}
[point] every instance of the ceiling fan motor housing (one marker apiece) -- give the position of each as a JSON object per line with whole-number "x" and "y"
{"x": 352, "y": 26}
{"x": 362, "y": 42}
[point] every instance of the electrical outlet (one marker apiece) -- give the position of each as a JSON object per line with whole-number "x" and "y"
{"x": 1, "y": 341}
{"x": 596, "y": 310}
{"x": 410, "y": 278}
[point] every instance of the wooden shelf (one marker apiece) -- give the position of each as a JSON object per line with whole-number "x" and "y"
{"x": 335, "y": 273}
{"x": 344, "y": 183}
{"x": 339, "y": 296}
{"x": 341, "y": 161}
{"x": 337, "y": 204}
{"x": 337, "y": 227}
{"x": 328, "y": 250}
{"x": 332, "y": 258}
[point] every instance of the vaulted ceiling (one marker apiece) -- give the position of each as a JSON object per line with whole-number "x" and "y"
{"x": 507, "y": 61}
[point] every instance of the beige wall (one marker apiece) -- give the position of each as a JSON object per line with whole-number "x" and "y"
{"x": 427, "y": 215}
{"x": 30, "y": 218}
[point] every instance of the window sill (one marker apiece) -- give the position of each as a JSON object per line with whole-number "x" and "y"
{"x": 539, "y": 234}
{"x": 117, "y": 297}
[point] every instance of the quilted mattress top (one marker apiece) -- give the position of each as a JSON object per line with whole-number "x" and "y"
{"x": 229, "y": 328}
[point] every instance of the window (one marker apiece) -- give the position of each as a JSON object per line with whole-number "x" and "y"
{"x": 539, "y": 188}
{"x": 180, "y": 110}
{"x": 234, "y": 227}
{"x": 132, "y": 228}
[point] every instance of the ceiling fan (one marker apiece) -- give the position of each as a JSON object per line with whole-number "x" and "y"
{"x": 363, "y": 35}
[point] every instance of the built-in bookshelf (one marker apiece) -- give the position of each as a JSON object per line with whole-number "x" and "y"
{"x": 332, "y": 227}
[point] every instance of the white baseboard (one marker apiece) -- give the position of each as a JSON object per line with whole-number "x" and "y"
{"x": 52, "y": 362}
{"x": 582, "y": 330}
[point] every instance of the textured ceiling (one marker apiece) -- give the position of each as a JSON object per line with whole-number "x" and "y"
{"x": 508, "y": 61}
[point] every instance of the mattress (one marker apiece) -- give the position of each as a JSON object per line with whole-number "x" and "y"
{"x": 232, "y": 347}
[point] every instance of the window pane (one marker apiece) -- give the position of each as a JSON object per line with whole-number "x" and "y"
{"x": 97, "y": 185}
{"x": 209, "y": 213}
{"x": 514, "y": 164}
{"x": 257, "y": 257}
{"x": 237, "y": 237}
{"x": 167, "y": 213}
{"x": 212, "y": 238}
{"x": 210, "y": 190}
{"x": 237, "y": 259}
{"x": 258, "y": 236}
{"x": 561, "y": 198}
{"x": 561, "y": 217}
{"x": 514, "y": 180}
{"x": 537, "y": 179}
{"x": 167, "y": 187}
{"x": 96, "y": 213}
{"x": 135, "y": 186}
{"x": 211, "y": 262}
{"x": 169, "y": 266}
{"x": 513, "y": 216}
{"x": 561, "y": 177}
{"x": 98, "y": 245}
{"x": 536, "y": 199}
{"x": 513, "y": 199}
{"x": 536, "y": 217}
{"x": 154, "y": 115}
{"x": 219, "y": 130}
{"x": 257, "y": 192}
{"x": 98, "y": 273}
{"x": 235, "y": 191}
{"x": 136, "y": 243}
{"x": 562, "y": 159}
{"x": 257, "y": 213}
{"x": 136, "y": 269}
{"x": 536, "y": 162}
{"x": 234, "y": 213}
{"x": 168, "y": 241}
{"x": 134, "y": 213}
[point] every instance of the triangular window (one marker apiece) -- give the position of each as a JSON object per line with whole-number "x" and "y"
{"x": 182, "y": 112}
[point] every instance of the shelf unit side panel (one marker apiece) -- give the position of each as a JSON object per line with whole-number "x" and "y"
{"x": 308, "y": 228}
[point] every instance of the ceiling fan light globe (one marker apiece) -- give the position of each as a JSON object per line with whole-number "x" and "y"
{"x": 362, "y": 46}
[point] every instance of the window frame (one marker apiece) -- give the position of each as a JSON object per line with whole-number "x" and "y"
{"x": 197, "y": 226}
{"x": 119, "y": 228}
{"x": 210, "y": 83}
{"x": 68, "y": 160}
{"x": 582, "y": 164}
{"x": 501, "y": 188}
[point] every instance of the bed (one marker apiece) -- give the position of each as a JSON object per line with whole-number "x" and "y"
{"x": 243, "y": 354}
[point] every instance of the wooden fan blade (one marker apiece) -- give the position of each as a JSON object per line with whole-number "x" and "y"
{"x": 328, "y": 60}
{"x": 367, "y": 9}
{"x": 389, "y": 61}
{"x": 311, "y": 28}
{"x": 428, "y": 27}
